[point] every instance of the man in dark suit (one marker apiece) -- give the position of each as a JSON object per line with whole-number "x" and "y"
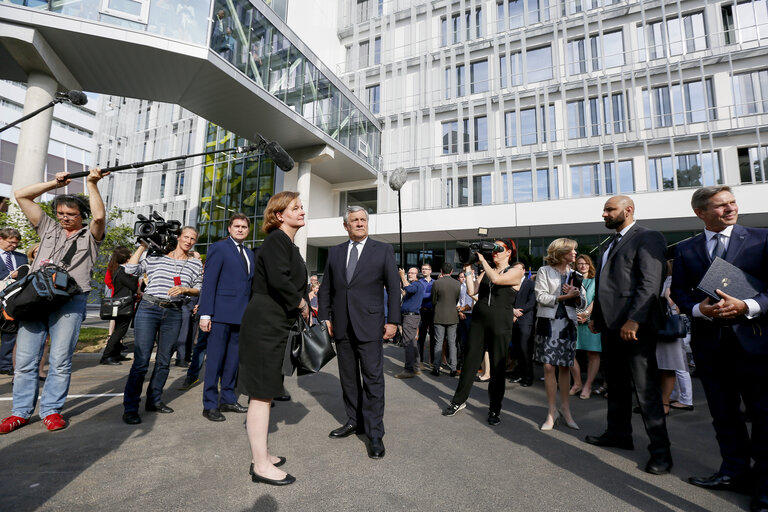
{"x": 522, "y": 330}
{"x": 445, "y": 296}
{"x": 729, "y": 339}
{"x": 351, "y": 302}
{"x": 10, "y": 260}
{"x": 628, "y": 313}
{"x": 225, "y": 294}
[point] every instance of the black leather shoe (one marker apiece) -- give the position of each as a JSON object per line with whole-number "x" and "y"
{"x": 759, "y": 503}
{"x": 110, "y": 361}
{"x": 213, "y": 415}
{"x": 283, "y": 398}
{"x": 454, "y": 373}
{"x": 131, "y": 418}
{"x": 345, "y": 430}
{"x": 659, "y": 465}
{"x": 493, "y": 418}
{"x": 721, "y": 482}
{"x": 608, "y": 441}
{"x": 376, "y": 448}
{"x": 235, "y": 407}
{"x": 182, "y": 364}
{"x": 189, "y": 382}
{"x": 285, "y": 481}
{"x": 6, "y": 372}
{"x": 435, "y": 371}
{"x": 158, "y": 407}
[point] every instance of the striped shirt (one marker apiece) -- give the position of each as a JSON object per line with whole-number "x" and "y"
{"x": 162, "y": 269}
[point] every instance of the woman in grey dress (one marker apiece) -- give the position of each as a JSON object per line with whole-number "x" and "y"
{"x": 556, "y": 326}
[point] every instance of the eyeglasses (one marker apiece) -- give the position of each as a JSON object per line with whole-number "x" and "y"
{"x": 67, "y": 215}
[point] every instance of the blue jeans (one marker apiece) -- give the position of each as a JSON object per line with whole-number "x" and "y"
{"x": 7, "y": 342}
{"x": 198, "y": 354}
{"x": 151, "y": 320}
{"x": 63, "y": 325}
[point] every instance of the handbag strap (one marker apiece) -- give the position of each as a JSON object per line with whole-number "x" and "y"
{"x": 67, "y": 259}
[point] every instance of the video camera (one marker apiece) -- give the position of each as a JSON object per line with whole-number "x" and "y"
{"x": 159, "y": 234}
{"x": 467, "y": 251}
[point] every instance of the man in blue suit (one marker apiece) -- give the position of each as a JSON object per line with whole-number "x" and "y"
{"x": 10, "y": 260}
{"x": 729, "y": 339}
{"x": 351, "y": 302}
{"x": 225, "y": 294}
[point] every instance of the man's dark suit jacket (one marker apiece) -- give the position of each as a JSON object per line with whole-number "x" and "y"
{"x": 445, "y": 296}
{"x": 226, "y": 283}
{"x": 21, "y": 259}
{"x": 526, "y": 300}
{"x": 629, "y": 286}
{"x": 360, "y": 303}
{"x": 747, "y": 250}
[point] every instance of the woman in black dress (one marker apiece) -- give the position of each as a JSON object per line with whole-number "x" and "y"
{"x": 491, "y": 329}
{"x": 279, "y": 297}
{"x": 124, "y": 286}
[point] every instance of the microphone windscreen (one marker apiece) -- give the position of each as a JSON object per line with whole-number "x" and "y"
{"x": 282, "y": 159}
{"x": 77, "y": 97}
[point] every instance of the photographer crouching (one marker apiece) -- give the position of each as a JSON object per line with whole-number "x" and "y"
{"x": 72, "y": 245}
{"x": 171, "y": 279}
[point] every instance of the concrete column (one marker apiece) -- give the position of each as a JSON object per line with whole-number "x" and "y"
{"x": 303, "y": 188}
{"x": 35, "y": 133}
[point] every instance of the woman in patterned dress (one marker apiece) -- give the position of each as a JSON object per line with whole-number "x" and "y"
{"x": 556, "y": 326}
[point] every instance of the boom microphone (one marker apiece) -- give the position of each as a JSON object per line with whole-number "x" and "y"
{"x": 74, "y": 97}
{"x": 278, "y": 155}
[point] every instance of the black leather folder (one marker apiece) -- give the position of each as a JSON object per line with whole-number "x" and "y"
{"x": 731, "y": 280}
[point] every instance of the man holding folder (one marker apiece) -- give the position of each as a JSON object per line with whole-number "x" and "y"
{"x": 729, "y": 338}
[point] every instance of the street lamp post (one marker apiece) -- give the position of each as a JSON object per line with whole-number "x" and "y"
{"x": 397, "y": 179}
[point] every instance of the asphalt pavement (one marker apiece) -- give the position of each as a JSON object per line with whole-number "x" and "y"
{"x": 182, "y": 461}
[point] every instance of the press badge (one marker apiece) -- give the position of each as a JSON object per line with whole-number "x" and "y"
{"x": 176, "y": 280}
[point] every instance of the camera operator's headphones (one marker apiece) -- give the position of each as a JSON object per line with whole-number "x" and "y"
{"x": 85, "y": 209}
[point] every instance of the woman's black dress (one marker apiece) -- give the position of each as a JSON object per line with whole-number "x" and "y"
{"x": 279, "y": 284}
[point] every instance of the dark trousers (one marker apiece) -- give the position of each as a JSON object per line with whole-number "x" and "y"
{"x": 625, "y": 362}
{"x": 151, "y": 320}
{"x": 7, "y": 342}
{"x": 484, "y": 337}
{"x": 221, "y": 366}
{"x": 462, "y": 338}
{"x": 729, "y": 374}
{"x": 198, "y": 354}
{"x": 426, "y": 325}
{"x": 363, "y": 399}
{"x": 522, "y": 334}
{"x": 186, "y": 332}
{"x": 114, "y": 345}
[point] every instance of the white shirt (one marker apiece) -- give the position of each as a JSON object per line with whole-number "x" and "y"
{"x": 360, "y": 245}
{"x": 247, "y": 260}
{"x": 752, "y": 305}
{"x": 623, "y": 233}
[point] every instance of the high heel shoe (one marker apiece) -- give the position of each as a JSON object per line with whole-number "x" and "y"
{"x": 571, "y": 424}
{"x": 549, "y": 426}
{"x": 289, "y": 479}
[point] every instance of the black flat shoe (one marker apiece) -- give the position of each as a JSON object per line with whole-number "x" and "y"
{"x": 131, "y": 418}
{"x": 158, "y": 407}
{"x": 285, "y": 481}
{"x": 493, "y": 418}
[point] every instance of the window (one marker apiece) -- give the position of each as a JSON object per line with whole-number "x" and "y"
{"x": 539, "y": 64}
{"x": 478, "y": 72}
{"x": 377, "y": 51}
{"x": 538, "y": 10}
{"x": 684, "y": 171}
{"x": 602, "y": 52}
{"x": 515, "y": 76}
{"x": 460, "y": 81}
{"x": 592, "y": 180}
{"x": 621, "y": 174}
{"x": 450, "y": 137}
{"x": 753, "y": 164}
{"x": 473, "y": 24}
{"x": 529, "y": 125}
{"x": 511, "y": 14}
{"x": 692, "y": 102}
{"x": 178, "y": 187}
{"x": 750, "y": 92}
{"x": 546, "y": 184}
{"x": 448, "y": 83}
{"x": 137, "y": 188}
{"x": 463, "y": 191}
{"x": 162, "y": 185}
{"x": 372, "y": 93}
{"x": 510, "y": 129}
{"x": 584, "y": 117}
{"x": 747, "y": 22}
{"x": 472, "y": 28}
{"x": 363, "y": 10}
{"x": 481, "y": 189}
{"x": 522, "y": 187}
{"x": 363, "y": 54}
{"x": 676, "y": 36}
{"x": 481, "y": 133}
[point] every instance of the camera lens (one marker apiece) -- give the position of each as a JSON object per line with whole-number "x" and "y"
{"x": 146, "y": 229}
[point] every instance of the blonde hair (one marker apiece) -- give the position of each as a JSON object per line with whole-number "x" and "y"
{"x": 277, "y": 204}
{"x": 558, "y": 249}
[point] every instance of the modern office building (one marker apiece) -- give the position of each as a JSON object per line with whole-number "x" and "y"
{"x": 522, "y": 116}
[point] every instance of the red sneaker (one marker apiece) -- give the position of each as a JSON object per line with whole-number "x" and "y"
{"x": 55, "y": 422}
{"x": 11, "y": 423}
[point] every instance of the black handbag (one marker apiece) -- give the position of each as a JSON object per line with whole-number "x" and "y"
{"x": 113, "y": 308}
{"x": 674, "y": 326}
{"x": 38, "y": 293}
{"x": 311, "y": 347}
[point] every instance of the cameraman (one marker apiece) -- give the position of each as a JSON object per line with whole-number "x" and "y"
{"x": 63, "y": 324}
{"x": 172, "y": 278}
{"x": 491, "y": 329}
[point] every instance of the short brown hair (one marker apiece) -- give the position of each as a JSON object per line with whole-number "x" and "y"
{"x": 557, "y": 249}
{"x": 239, "y": 216}
{"x": 7, "y": 233}
{"x": 591, "y": 272}
{"x": 701, "y": 197}
{"x": 277, "y": 204}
